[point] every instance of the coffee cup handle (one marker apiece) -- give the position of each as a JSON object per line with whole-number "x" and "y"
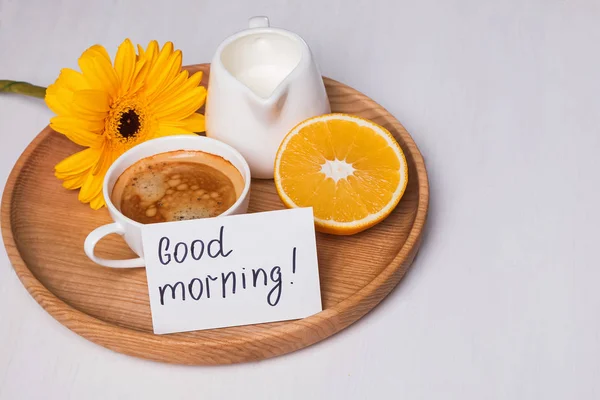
{"x": 94, "y": 237}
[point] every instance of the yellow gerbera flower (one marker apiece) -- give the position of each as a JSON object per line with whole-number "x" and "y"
{"x": 110, "y": 109}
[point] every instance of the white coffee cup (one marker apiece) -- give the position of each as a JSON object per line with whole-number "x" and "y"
{"x": 132, "y": 230}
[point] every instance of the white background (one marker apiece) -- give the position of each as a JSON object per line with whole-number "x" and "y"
{"x": 503, "y": 99}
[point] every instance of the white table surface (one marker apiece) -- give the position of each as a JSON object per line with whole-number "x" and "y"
{"x": 503, "y": 99}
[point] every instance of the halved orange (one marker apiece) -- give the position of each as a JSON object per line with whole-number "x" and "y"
{"x": 350, "y": 170}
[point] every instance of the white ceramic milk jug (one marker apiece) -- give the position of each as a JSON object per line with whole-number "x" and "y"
{"x": 263, "y": 81}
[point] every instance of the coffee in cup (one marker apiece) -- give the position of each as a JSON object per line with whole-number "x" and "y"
{"x": 176, "y": 186}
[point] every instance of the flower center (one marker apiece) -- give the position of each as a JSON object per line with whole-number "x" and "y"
{"x": 129, "y": 124}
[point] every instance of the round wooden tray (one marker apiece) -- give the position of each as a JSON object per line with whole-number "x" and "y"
{"x": 44, "y": 227}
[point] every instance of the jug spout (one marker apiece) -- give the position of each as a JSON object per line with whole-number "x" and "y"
{"x": 268, "y": 110}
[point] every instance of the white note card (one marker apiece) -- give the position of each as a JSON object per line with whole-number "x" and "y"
{"x": 232, "y": 270}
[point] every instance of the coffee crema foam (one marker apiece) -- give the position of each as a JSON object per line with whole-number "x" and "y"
{"x": 176, "y": 186}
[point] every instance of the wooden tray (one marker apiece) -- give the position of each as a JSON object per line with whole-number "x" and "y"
{"x": 44, "y": 227}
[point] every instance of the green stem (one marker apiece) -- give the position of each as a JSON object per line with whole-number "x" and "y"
{"x": 24, "y": 88}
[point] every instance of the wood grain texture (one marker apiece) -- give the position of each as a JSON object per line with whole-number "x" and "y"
{"x": 44, "y": 227}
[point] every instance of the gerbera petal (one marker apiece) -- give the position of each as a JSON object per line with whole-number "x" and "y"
{"x": 106, "y": 159}
{"x": 173, "y": 85}
{"x": 77, "y": 163}
{"x": 59, "y": 99}
{"x": 170, "y": 73}
{"x": 180, "y": 86}
{"x": 169, "y": 129}
{"x": 78, "y": 112}
{"x": 139, "y": 76}
{"x": 151, "y": 53}
{"x": 98, "y": 201}
{"x": 183, "y": 108}
{"x": 166, "y": 100}
{"x": 58, "y": 95}
{"x": 62, "y": 101}
{"x": 163, "y": 74}
{"x": 75, "y": 181}
{"x": 125, "y": 64}
{"x": 196, "y": 96}
{"x": 195, "y": 122}
{"x": 72, "y": 80}
{"x": 91, "y": 187}
{"x": 195, "y": 79}
{"x": 161, "y": 69}
{"x": 101, "y": 51}
{"x": 141, "y": 53}
{"x": 94, "y": 101}
{"x": 76, "y": 133}
{"x": 95, "y": 126}
{"x": 98, "y": 71}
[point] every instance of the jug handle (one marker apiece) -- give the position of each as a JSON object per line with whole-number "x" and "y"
{"x": 258, "y": 22}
